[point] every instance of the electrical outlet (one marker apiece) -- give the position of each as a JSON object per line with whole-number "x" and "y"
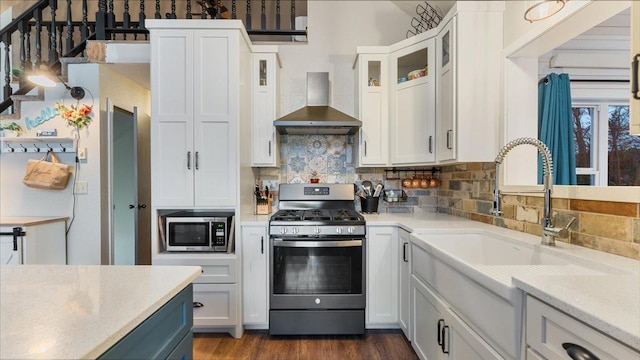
{"x": 81, "y": 187}
{"x": 82, "y": 153}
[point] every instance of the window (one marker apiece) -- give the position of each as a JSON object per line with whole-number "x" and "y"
{"x": 617, "y": 163}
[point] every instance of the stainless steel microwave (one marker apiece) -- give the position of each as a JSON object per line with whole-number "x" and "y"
{"x": 200, "y": 231}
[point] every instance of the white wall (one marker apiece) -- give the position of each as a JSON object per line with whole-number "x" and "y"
{"x": 335, "y": 30}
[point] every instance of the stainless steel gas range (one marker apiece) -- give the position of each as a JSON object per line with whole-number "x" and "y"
{"x": 317, "y": 263}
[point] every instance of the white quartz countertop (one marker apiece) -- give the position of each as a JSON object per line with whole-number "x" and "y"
{"x": 79, "y": 311}
{"x": 29, "y": 220}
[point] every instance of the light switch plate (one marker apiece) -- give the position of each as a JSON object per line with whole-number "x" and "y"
{"x": 82, "y": 153}
{"x": 81, "y": 187}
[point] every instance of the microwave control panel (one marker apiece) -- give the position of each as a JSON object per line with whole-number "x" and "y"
{"x": 219, "y": 236}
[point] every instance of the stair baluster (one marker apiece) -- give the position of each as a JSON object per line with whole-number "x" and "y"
{"x": 37, "y": 15}
{"x": 247, "y": 22}
{"x": 84, "y": 29}
{"x": 28, "y": 44}
{"x": 60, "y": 41}
{"x": 263, "y": 15}
{"x": 293, "y": 14}
{"x": 126, "y": 18}
{"x": 233, "y": 9}
{"x": 6, "y": 40}
{"x": 23, "y": 55}
{"x": 141, "y": 18}
{"x": 218, "y": 9}
{"x": 203, "y": 14}
{"x": 101, "y": 20}
{"x": 111, "y": 20}
{"x": 172, "y": 14}
{"x": 277, "y": 14}
{"x": 189, "y": 15}
{"x": 53, "y": 54}
{"x": 157, "y": 14}
{"x": 69, "y": 27}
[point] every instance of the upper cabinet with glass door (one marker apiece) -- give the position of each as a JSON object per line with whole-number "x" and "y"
{"x": 264, "y": 68}
{"x": 372, "y": 84}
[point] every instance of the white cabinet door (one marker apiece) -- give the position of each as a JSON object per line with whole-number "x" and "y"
{"x": 427, "y": 323}
{"x": 172, "y": 117}
{"x": 373, "y": 109}
{"x": 194, "y": 117}
{"x": 413, "y": 107}
{"x": 382, "y": 276}
{"x": 9, "y": 256}
{"x": 255, "y": 275}
{"x": 462, "y": 343}
{"x": 263, "y": 83}
{"x": 214, "y": 305}
{"x": 404, "y": 279}
{"x": 446, "y": 94}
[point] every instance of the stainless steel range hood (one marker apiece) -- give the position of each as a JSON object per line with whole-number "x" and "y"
{"x": 317, "y": 118}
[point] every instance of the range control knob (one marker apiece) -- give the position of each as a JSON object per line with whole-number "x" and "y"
{"x": 283, "y": 230}
{"x": 317, "y": 301}
{"x": 316, "y": 229}
{"x": 295, "y": 230}
{"x": 351, "y": 229}
{"x": 339, "y": 229}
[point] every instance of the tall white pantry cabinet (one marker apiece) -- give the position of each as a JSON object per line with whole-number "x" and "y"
{"x": 194, "y": 106}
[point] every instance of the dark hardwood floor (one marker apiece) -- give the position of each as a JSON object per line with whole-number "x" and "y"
{"x": 257, "y": 344}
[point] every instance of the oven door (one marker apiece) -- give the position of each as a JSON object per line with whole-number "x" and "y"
{"x": 317, "y": 273}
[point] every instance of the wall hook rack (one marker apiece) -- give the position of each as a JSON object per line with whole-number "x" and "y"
{"x": 37, "y": 144}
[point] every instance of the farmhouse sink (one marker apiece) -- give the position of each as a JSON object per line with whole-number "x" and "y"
{"x": 473, "y": 269}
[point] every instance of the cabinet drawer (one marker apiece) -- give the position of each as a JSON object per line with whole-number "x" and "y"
{"x": 548, "y": 329}
{"x": 214, "y": 305}
{"x": 421, "y": 264}
{"x": 219, "y": 270}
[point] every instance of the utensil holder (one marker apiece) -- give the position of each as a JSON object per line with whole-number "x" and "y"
{"x": 369, "y": 204}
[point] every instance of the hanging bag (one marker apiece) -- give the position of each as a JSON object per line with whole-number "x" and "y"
{"x": 48, "y": 175}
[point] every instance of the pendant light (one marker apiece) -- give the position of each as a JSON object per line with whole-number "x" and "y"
{"x": 542, "y": 9}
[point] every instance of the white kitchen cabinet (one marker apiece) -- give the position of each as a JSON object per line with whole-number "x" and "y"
{"x": 264, "y": 75}
{"x": 551, "y": 334}
{"x": 634, "y": 102}
{"x": 255, "y": 275}
{"x": 413, "y": 110}
{"x": 438, "y": 333}
{"x": 216, "y": 304}
{"x": 446, "y": 95}
{"x": 382, "y": 277}
{"x": 404, "y": 283}
{"x": 44, "y": 241}
{"x": 194, "y": 112}
{"x": 468, "y": 75}
{"x": 372, "y": 84}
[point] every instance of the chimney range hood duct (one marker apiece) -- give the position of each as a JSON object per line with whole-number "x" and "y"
{"x": 317, "y": 118}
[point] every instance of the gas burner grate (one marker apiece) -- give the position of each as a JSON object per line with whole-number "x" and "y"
{"x": 288, "y": 215}
{"x": 346, "y": 215}
{"x": 316, "y": 215}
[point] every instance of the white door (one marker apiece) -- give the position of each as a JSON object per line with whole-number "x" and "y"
{"x": 123, "y": 185}
{"x": 382, "y": 276}
{"x": 255, "y": 275}
{"x": 428, "y": 322}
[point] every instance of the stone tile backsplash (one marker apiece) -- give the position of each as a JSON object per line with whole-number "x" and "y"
{"x": 465, "y": 190}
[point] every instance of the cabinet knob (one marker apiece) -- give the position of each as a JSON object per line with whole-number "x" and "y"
{"x": 577, "y": 352}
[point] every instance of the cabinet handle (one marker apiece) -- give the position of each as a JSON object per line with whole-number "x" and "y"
{"x": 577, "y": 352}
{"x": 269, "y": 147}
{"x": 197, "y": 165}
{"x": 430, "y": 144}
{"x": 404, "y": 252}
{"x": 197, "y": 304}
{"x": 365, "y": 148}
{"x": 261, "y": 244}
{"x": 449, "y": 139}
{"x": 634, "y": 77}
{"x": 444, "y": 331}
{"x": 440, "y": 322}
{"x": 188, "y": 160}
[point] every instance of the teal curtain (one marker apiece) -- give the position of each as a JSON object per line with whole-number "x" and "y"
{"x": 555, "y": 127}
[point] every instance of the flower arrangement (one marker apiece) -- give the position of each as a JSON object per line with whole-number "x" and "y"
{"x": 76, "y": 116}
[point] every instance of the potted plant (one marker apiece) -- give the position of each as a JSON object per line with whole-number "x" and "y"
{"x": 11, "y": 130}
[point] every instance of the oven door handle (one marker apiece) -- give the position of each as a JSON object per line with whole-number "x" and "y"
{"x": 316, "y": 244}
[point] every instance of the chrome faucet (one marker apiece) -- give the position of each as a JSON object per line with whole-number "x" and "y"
{"x": 549, "y": 232}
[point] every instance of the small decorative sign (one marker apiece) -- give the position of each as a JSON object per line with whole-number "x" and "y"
{"x": 48, "y": 132}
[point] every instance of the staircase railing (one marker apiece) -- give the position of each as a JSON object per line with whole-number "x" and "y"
{"x": 68, "y": 38}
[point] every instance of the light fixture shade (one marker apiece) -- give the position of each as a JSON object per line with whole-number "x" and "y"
{"x": 542, "y": 9}
{"x": 41, "y": 80}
